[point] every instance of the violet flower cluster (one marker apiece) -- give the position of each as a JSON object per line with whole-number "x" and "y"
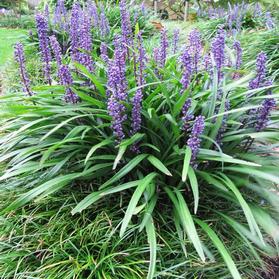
{"x": 195, "y": 47}
{"x": 259, "y": 80}
{"x": 20, "y": 58}
{"x": 223, "y": 127}
{"x": 104, "y": 52}
{"x": 56, "y": 49}
{"x": 160, "y": 54}
{"x": 194, "y": 140}
{"x": 42, "y": 29}
{"x": 218, "y": 51}
{"x": 186, "y": 114}
{"x": 126, "y": 28}
{"x": 117, "y": 89}
{"x": 60, "y": 16}
{"x": 238, "y": 58}
{"x": 67, "y": 80}
{"x": 187, "y": 64}
{"x": 263, "y": 113}
{"x": 137, "y": 100}
{"x": 104, "y": 24}
{"x": 93, "y": 13}
{"x": 83, "y": 55}
{"x": 76, "y": 15}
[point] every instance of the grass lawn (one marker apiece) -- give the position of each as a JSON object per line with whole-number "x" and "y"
{"x": 8, "y": 37}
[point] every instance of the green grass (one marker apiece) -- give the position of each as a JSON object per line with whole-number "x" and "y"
{"x": 8, "y": 37}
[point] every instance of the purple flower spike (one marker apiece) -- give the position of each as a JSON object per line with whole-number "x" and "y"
{"x": 19, "y": 57}
{"x": 269, "y": 21}
{"x": 67, "y": 80}
{"x": 187, "y": 63}
{"x": 218, "y": 51}
{"x": 56, "y": 49}
{"x": 142, "y": 59}
{"x": 42, "y": 28}
{"x": 186, "y": 115}
{"x": 238, "y": 58}
{"x": 83, "y": 56}
{"x": 104, "y": 24}
{"x": 61, "y": 16}
{"x": 126, "y": 28}
{"x": 195, "y": 47}
{"x": 137, "y": 100}
{"x": 163, "y": 48}
{"x": 175, "y": 41}
{"x": 194, "y": 140}
{"x": 75, "y": 28}
{"x": 117, "y": 89}
{"x": 258, "y": 81}
{"x": 104, "y": 52}
{"x": 93, "y": 13}
{"x": 263, "y": 113}
{"x": 136, "y": 112}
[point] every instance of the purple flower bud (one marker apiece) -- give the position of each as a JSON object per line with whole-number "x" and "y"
{"x": 194, "y": 140}
{"x": 19, "y": 57}
{"x": 187, "y": 64}
{"x": 257, "y": 10}
{"x": 195, "y": 47}
{"x": 83, "y": 55}
{"x": 218, "y": 51}
{"x": 104, "y": 52}
{"x": 56, "y": 49}
{"x": 269, "y": 21}
{"x": 186, "y": 115}
{"x": 42, "y": 28}
{"x": 163, "y": 48}
{"x": 93, "y": 13}
{"x": 142, "y": 59}
{"x": 263, "y": 113}
{"x": 258, "y": 81}
{"x": 175, "y": 41}
{"x": 117, "y": 89}
{"x": 67, "y": 80}
{"x": 238, "y": 59}
{"x": 75, "y": 28}
{"x": 104, "y": 24}
{"x": 238, "y": 51}
{"x": 207, "y": 63}
{"x": 61, "y": 16}
{"x": 126, "y": 28}
{"x": 137, "y": 100}
{"x": 223, "y": 128}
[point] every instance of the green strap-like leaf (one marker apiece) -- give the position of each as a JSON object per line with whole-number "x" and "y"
{"x": 221, "y": 248}
{"x": 158, "y": 164}
{"x": 195, "y": 188}
{"x": 186, "y": 163}
{"x": 126, "y": 169}
{"x": 95, "y": 196}
{"x": 134, "y": 201}
{"x": 51, "y": 186}
{"x": 95, "y": 147}
{"x": 151, "y": 236}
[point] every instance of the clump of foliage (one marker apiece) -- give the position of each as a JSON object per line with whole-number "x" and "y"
{"x": 173, "y": 130}
{"x": 235, "y": 18}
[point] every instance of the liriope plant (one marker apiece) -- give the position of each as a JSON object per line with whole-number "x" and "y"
{"x": 188, "y": 130}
